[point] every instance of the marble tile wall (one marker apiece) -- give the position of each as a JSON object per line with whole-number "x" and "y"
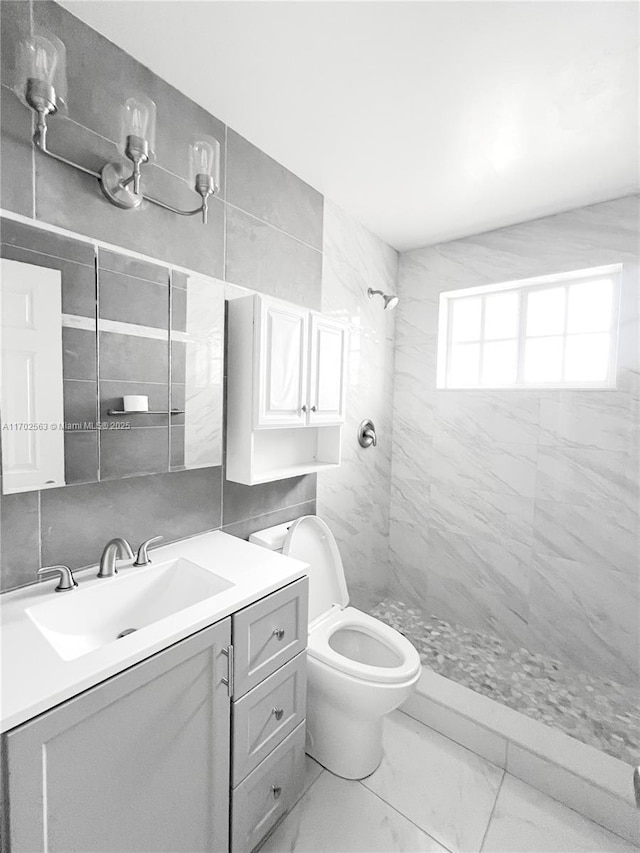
{"x": 516, "y": 513}
{"x": 265, "y": 232}
{"x": 354, "y": 499}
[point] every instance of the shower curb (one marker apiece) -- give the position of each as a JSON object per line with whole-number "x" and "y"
{"x": 580, "y": 776}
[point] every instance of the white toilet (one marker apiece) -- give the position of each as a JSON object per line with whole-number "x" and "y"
{"x": 358, "y": 669}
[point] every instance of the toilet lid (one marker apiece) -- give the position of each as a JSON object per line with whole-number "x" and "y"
{"x": 310, "y": 540}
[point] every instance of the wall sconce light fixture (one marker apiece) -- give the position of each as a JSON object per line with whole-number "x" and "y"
{"x": 42, "y": 85}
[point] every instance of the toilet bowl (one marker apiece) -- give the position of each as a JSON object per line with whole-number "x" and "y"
{"x": 358, "y": 669}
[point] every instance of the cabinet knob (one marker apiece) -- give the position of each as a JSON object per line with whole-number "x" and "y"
{"x": 314, "y": 409}
{"x": 277, "y": 790}
{"x": 304, "y": 408}
{"x": 277, "y": 713}
{"x": 278, "y": 632}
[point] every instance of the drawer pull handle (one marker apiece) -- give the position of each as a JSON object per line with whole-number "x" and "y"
{"x": 277, "y": 790}
{"x": 278, "y": 632}
{"x": 278, "y": 712}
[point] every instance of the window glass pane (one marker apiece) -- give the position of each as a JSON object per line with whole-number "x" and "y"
{"x": 543, "y": 360}
{"x": 590, "y": 306}
{"x": 466, "y": 319}
{"x": 545, "y": 311}
{"x": 465, "y": 360}
{"x": 501, "y": 315}
{"x": 499, "y": 363}
{"x": 587, "y": 358}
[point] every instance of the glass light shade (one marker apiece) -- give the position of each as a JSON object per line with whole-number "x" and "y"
{"x": 204, "y": 159}
{"x": 42, "y": 57}
{"x": 138, "y": 118}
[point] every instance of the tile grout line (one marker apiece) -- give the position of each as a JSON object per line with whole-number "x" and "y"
{"x": 33, "y": 128}
{"x": 495, "y": 803}
{"x": 461, "y": 745}
{"x": 224, "y": 209}
{"x": 44, "y": 254}
{"x": 402, "y": 815}
{"x": 40, "y": 527}
{"x": 103, "y": 244}
{"x": 96, "y": 265}
{"x": 458, "y": 743}
{"x": 269, "y": 512}
{"x": 275, "y": 227}
{"x": 170, "y": 291}
{"x": 509, "y": 740}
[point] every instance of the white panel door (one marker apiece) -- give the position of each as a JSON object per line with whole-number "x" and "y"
{"x": 281, "y": 340}
{"x": 31, "y": 396}
{"x": 327, "y": 371}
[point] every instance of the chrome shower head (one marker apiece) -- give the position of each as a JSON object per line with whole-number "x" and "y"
{"x": 390, "y": 301}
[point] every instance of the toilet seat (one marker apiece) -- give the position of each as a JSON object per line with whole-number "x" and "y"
{"x": 309, "y": 539}
{"x": 350, "y": 618}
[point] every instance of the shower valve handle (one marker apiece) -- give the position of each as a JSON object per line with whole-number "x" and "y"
{"x": 367, "y": 434}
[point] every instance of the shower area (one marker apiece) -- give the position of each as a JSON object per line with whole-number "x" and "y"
{"x": 497, "y": 529}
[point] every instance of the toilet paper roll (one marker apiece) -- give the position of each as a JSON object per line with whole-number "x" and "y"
{"x": 135, "y": 403}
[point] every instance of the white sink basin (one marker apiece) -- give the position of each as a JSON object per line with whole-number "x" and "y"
{"x": 81, "y": 621}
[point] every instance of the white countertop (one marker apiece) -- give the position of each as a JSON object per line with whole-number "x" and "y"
{"x": 34, "y": 678}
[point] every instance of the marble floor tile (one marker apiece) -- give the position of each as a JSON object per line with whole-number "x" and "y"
{"x": 446, "y": 790}
{"x": 337, "y": 816}
{"x": 527, "y": 821}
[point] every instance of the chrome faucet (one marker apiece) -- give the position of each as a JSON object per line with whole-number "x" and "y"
{"x": 115, "y": 549}
{"x": 143, "y": 558}
{"x": 67, "y": 581}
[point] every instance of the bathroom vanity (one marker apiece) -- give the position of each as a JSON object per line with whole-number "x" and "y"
{"x": 187, "y": 734}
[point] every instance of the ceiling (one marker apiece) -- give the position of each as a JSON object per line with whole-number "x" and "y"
{"x": 426, "y": 121}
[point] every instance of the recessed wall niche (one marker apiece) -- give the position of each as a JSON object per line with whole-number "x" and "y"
{"x": 129, "y": 327}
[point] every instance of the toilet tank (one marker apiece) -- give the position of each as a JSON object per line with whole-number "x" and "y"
{"x": 271, "y": 537}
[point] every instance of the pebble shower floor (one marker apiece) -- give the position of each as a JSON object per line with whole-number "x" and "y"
{"x": 602, "y": 713}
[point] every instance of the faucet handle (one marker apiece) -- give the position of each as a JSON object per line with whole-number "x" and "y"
{"x": 143, "y": 558}
{"x": 67, "y": 581}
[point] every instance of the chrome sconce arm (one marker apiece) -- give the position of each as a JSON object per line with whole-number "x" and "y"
{"x": 205, "y": 188}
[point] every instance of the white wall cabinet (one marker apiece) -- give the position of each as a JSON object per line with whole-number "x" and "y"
{"x": 286, "y": 390}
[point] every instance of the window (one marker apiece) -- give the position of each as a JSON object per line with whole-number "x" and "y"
{"x": 554, "y": 332}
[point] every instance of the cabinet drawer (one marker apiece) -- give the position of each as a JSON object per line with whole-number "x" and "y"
{"x": 267, "y": 714}
{"x": 269, "y": 633}
{"x": 259, "y": 802}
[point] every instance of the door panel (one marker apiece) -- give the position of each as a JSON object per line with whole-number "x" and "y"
{"x": 327, "y": 371}
{"x": 31, "y": 362}
{"x": 281, "y": 344}
{"x": 139, "y": 763}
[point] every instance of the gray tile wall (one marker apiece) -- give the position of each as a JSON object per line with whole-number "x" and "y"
{"x": 264, "y": 232}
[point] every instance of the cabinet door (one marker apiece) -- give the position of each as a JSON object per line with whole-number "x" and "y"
{"x": 138, "y": 763}
{"x": 281, "y": 344}
{"x": 327, "y": 371}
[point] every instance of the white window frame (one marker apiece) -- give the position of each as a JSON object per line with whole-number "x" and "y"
{"x": 524, "y": 287}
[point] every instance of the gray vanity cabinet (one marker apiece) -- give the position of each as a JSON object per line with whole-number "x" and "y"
{"x": 138, "y": 763}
